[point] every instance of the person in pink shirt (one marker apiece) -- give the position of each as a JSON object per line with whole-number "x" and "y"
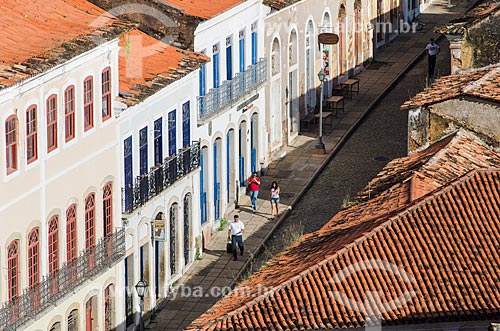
{"x": 253, "y": 187}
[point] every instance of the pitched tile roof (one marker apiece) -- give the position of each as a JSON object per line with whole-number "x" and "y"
{"x": 441, "y": 259}
{"x": 482, "y": 83}
{"x": 205, "y": 9}
{"x": 39, "y": 34}
{"x": 472, "y": 17}
{"x": 433, "y": 167}
{"x": 279, "y": 4}
{"x": 147, "y": 65}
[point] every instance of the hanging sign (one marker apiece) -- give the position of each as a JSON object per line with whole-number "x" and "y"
{"x": 159, "y": 230}
{"x": 328, "y": 38}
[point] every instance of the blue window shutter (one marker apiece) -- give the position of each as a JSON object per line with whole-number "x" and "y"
{"x": 216, "y": 70}
{"x": 172, "y": 145}
{"x": 202, "y": 80}
{"x": 242, "y": 55}
{"x": 229, "y": 63}
{"x": 158, "y": 141}
{"x": 186, "y": 124}
{"x": 128, "y": 172}
{"x": 254, "y": 47}
{"x": 143, "y": 151}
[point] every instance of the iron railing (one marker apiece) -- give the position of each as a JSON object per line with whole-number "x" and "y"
{"x": 89, "y": 264}
{"x": 231, "y": 91}
{"x": 160, "y": 177}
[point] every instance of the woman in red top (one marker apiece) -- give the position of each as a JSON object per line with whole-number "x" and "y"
{"x": 253, "y": 187}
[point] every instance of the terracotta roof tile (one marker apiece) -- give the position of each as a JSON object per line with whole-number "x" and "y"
{"x": 279, "y": 4}
{"x": 482, "y": 83}
{"x": 472, "y": 17}
{"x": 40, "y": 34}
{"x": 446, "y": 249}
{"x": 433, "y": 167}
{"x": 147, "y": 65}
{"x": 205, "y": 9}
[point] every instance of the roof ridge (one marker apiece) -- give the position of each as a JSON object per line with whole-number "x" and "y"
{"x": 410, "y": 207}
{"x": 493, "y": 71}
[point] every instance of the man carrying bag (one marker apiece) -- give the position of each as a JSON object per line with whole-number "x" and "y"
{"x": 235, "y": 234}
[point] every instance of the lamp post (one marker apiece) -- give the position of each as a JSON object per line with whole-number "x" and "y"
{"x": 141, "y": 287}
{"x": 320, "y": 147}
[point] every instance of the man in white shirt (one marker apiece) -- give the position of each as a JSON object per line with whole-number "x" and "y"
{"x": 235, "y": 234}
{"x": 432, "y": 50}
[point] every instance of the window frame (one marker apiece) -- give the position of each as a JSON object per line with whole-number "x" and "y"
{"x": 69, "y": 113}
{"x": 53, "y": 244}
{"x": 106, "y": 93}
{"x": 34, "y": 257}
{"x": 31, "y": 134}
{"x": 71, "y": 234}
{"x": 90, "y": 220}
{"x": 51, "y": 125}
{"x": 88, "y": 103}
{"x": 107, "y": 209}
{"x": 13, "y": 269}
{"x": 11, "y": 144}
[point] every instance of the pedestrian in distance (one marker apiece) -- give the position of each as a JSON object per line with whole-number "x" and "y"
{"x": 432, "y": 50}
{"x": 253, "y": 188}
{"x": 275, "y": 198}
{"x": 235, "y": 234}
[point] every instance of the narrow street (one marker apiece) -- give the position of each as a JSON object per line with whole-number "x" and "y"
{"x": 380, "y": 138}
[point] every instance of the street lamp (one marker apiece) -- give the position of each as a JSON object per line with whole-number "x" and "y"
{"x": 141, "y": 287}
{"x": 320, "y": 147}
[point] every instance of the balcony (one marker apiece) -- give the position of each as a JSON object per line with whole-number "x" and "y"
{"x": 35, "y": 300}
{"x": 232, "y": 91}
{"x": 160, "y": 177}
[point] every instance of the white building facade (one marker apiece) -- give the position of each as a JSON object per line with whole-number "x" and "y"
{"x": 231, "y": 108}
{"x": 60, "y": 197}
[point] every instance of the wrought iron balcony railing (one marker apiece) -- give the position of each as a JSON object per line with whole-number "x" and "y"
{"x": 231, "y": 91}
{"x": 35, "y": 300}
{"x": 160, "y": 177}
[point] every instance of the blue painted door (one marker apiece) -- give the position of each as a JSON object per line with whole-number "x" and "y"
{"x": 241, "y": 160}
{"x": 254, "y": 47}
{"x": 128, "y": 172}
{"x": 141, "y": 260}
{"x": 143, "y": 151}
{"x": 253, "y": 151}
{"x": 203, "y": 194}
{"x": 228, "y": 164}
{"x": 157, "y": 269}
{"x": 215, "y": 61}
{"x": 158, "y": 141}
{"x": 216, "y": 185}
{"x": 186, "y": 124}
{"x": 202, "y": 80}
{"x": 242, "y": 54}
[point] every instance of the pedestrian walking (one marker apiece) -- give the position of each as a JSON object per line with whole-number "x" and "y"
{"x": 275, "y": 198}
{"x": 432, "y": 50}
{"x": 253, "y": 188}
{"x": 235, "y": 234}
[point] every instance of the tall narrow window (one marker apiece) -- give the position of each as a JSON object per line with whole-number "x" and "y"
{"x": 90, "y": 221}
{"x": 11, "y": 144}
{"x": 71, "y": 247}
{"x": 13, "y": 269}
{"x": 143, "y": 151}
{"x": 33, "y": 257}
{"x": 229, "y": 58}
{"x": 203, "y": 80}
{"x": 106, "y": 94}
{"x": 88, "y": 103}
{"x": 31, "y": 134}
{"x": 51, "y": 123}
{"x": 186, "y": 124}
{"x": 172, "y": 145}
{"x": 215, "y": 64}
{"x": 54, "y": 244}
{"x": 107, "y": 206}
{"x": 254, "y": 43}
{"x": 69, "y": 113}
{"x": 158, "y": 141}
{"x": 242, "y": 50}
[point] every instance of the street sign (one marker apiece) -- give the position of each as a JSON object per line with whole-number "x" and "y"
{"x": 328, "y": 38}
{"x": 159, "y": 233}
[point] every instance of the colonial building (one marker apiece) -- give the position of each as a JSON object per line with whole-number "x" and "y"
{"x": 159, "y": 166}
{"x": 61, "y": 240}
{"x": 470, "y": 100}
{"x": 416, "y": 251}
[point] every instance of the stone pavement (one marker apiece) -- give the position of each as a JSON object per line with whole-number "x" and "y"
{"x": 295, "y": 172}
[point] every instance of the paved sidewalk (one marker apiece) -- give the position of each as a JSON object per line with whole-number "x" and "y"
{"x": 295, "y": 172}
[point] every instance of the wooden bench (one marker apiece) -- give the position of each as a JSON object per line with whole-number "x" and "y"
{"x": 334, "y": 103}
{"x": 326, "y": 115}
{"x": 350, "y": 84}
{"x": 308, "y": 119}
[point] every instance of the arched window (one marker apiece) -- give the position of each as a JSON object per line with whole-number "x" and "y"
{"x": 31, "y": 134}
{"x": 292, "y": 48}
{"x": 34, "y": 257}
{"x": 310, "y": 71}
{"x": 342, "y": 44}
{"x": 187, "y": 228}
{"x": 107, "y": 206}
{"x": 11, "y": 143}
{"x": 54, "y": 244}
{"x": 90, "y": 221}
{"x": 51, "y": 123}
{"x": 73, "y": 320}
{"x": 13, "y": 269}
{"x": 275, "y": 57}
{"x": 88, "y": 103}
{"x": 106, "y": 93}
{"x": 69, "y": 113}
{"x": 56, "y": 326}
{"x": 173, "y": 233}
{"x": 109, "y": 307}
{"x": 71, "y": 246}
